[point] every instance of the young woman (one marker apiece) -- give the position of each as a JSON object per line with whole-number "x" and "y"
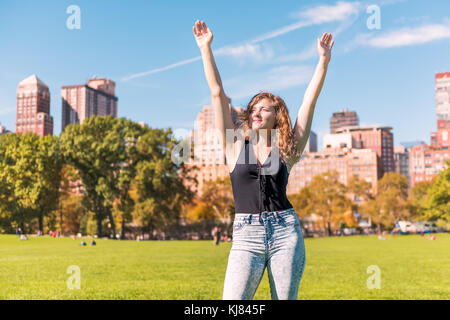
{"x": 266, "y": 229}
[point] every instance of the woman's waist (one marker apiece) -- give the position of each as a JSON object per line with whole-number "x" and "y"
{"x": 264, "y": 215}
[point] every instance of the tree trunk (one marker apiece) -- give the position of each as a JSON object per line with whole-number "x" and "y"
{"x": 99, "y": 227}
{"x": 379, "y": 229}
{"x": 111, "y": 221}
{"x": 122, "y": 232}
{"x": 41, "y": 222}
{"x": 61, "y": 221}
{"x": 327, "y": 229}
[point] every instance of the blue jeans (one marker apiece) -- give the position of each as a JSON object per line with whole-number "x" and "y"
{"x": 272, "y": 239}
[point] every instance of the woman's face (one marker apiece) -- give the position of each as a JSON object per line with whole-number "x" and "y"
{"x": 263, "y": 115}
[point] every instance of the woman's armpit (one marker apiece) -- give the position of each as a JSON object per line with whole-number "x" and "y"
{"x": 233, "y": 154}
{"x": 292, "y": 160}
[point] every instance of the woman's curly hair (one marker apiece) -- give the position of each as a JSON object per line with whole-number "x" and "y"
{"x": 286, "y": 143}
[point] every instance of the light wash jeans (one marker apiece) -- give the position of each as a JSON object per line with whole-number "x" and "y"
{"x": 272, "y": 239}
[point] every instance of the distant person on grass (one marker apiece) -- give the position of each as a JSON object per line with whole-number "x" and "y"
{"x": 217, "y": 236}
{"x": 266, "y": 229}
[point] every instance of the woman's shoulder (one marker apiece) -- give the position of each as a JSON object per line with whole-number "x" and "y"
{"x": 233, "y": 154}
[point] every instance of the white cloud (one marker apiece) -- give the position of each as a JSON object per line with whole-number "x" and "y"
{"x": 312, "y": 16}
{"x": 405, "y": 36}
{"x": 274, "y": 79}
{"x": 253, "y": 52}
{"x": 341, "y": 11}
{"x": 171, "y": 66}
{"x": 311, "y": 51}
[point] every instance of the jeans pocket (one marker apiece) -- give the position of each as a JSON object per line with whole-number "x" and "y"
{"x": 289, "y": 220}
{"x": 239, "y": 225}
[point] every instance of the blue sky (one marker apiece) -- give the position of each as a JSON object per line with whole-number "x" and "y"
{"x": 386, "y": 75}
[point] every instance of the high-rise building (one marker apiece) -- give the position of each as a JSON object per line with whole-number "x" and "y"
{"x": 339, "y": 140}
{"x": 81, "y": 101}
{"x": 442, "y": 87}
{"x": 377, "y": 138}
{"x": 347, "y": 161}
{"x": 311, "y": 145}
{"x": 33, "y": 107}
{"x": 401, "y": 161}
{"x": 343, "y": 118}
{"x": 442, "y": 136}
{"x": 426, "y": 162}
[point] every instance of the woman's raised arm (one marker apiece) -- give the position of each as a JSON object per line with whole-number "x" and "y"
{"x": 302, "y": 126}
{"x": 220, "y": 101}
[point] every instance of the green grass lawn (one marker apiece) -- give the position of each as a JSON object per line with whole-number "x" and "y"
{"x": 336, "y": 268}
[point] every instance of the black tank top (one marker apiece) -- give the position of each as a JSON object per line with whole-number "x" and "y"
{"x": 254, "y": 191}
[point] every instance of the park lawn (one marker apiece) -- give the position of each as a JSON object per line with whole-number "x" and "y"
{"x": 411, "y": 267}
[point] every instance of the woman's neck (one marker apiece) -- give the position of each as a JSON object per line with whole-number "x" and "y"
{"x": 263, "y": 138}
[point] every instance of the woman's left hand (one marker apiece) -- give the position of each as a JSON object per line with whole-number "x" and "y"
{"x": 324, "y": 46}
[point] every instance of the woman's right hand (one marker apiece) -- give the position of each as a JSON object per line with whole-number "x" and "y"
{"x": 203, "y": 34}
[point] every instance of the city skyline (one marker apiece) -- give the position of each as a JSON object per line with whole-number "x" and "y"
{"x": 383, "y": 85}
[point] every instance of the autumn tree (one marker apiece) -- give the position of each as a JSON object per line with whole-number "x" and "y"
{"x": 328, "y": 199}
{"x": 302, "y": 202}
{"x": 218, "y": 196}
{"x": 437, "y": 203}
{"x": 391, "y": 201}
{"x": 360, "y": 189}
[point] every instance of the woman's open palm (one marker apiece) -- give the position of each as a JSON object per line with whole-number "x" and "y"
{"x": 203, "y": 35}
{"x": 324, "y": 45}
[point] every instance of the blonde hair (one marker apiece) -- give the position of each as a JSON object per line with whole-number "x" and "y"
{"x": 286, "y": 143}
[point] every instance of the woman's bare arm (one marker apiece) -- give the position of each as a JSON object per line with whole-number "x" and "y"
{"x": 303, "y": 123}
{"x": 220, "y": 101}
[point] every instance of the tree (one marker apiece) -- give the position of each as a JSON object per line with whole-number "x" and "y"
{"x": 360, "y": 189}
{"x": 199, "y": 212}
{"x": 391, "y": 201}
{"x": 98, "y": 150}
{"x": 301, "y": 202}
{"x": 437, "y": 203}
{"x": 218, "y": 196}
{"x": 49, "y": 173}
{"x": 17, "y": 172}
{"x": 373, "y": 210}
{"x": 73, "y": 212}
{"x": 392, "y": 194}
{"x": 328, "y": 199}
{"x": 159, "y": 182}
{"x": 124, "y": 203}
{"x": 30, "y": 173}
{"x": 418, "y": 198}
{"x": 7, "y": 203}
